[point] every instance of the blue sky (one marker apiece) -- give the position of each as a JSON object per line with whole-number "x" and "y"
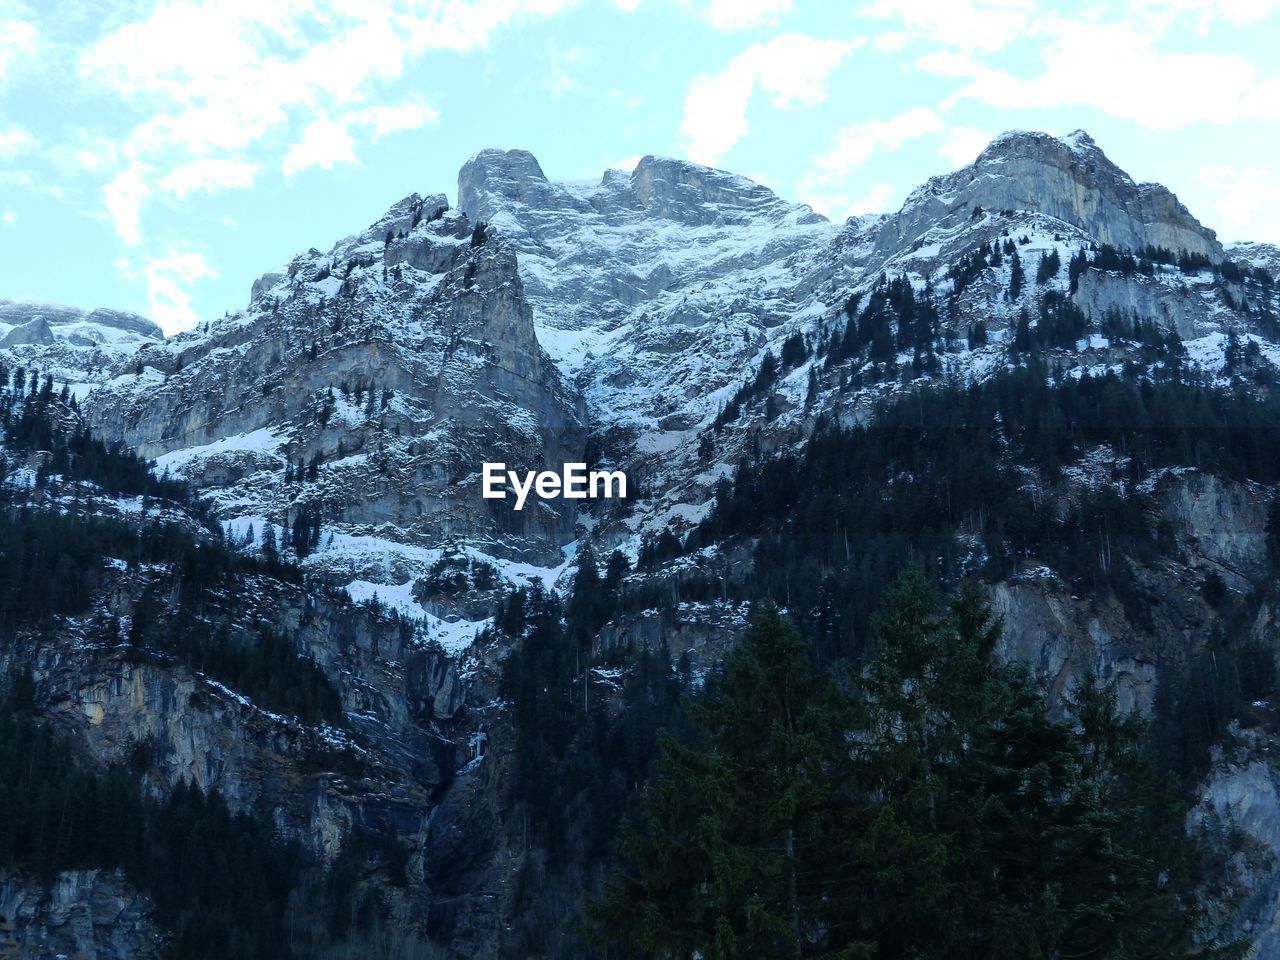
{"x": 158, "y": 156}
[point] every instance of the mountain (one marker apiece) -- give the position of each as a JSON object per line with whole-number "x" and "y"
{"x": 75, "y": 345}
{"x": 1037, "y": 373}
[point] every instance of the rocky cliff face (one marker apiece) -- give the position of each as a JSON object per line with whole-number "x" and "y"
{"x": 384, "y": 373}
{"x": 650, "y": 288}
{"x": 88, "y": 914}
{"x": 1071, "y": 180}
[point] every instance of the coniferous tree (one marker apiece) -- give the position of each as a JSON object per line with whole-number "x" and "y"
{"x": 725, "y": 866}
{"x": 934, "y": 808}
{"x": 1016, "y": 276}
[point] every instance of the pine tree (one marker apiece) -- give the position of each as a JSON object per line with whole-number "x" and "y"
{"x": 933, "y": 809}
{"x": 1022, "y": 342}
{"x": 1016, "y": 276}
{"x": 724, "y": 867}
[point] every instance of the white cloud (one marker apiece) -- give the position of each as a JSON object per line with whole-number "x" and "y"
{"x": 876, "y": 200}
{"x": 222, "y": 80}
{"x": 9, "y": 218}
{"x": 737, "y": 14}
{"x": 961, "y": 145}
{"x": 853, "y": 145}
{"x": 978, "y": 25}
{"x": 394, "y": 118}
{"x": 791, "y": 68}
{"x": 1101, "y": 65}
{"x": 169, "y": 279}
{"x": 825, "y": 185}
{"x": 565, "y": 68}
{"x": 1201, "y": 13}
{"x": 18, "y": 40}
{"x": 209, "y": 176}
{"x": 627, "y": 5}
{"x": 626, "y": 164}
{"x": 123, "y": 197}
{"x": 1248, "y": 200}
{"x": 13, "y": 141}
{"x": 325, "y": 144}
{"x": 1098, "y": 56}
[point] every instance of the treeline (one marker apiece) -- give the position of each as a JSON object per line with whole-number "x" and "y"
{"x": 795, "y": 351}
{"x": 263, "y": 663}
{"x": 46, "y": 424}
{"x": 586, "y": 724}
{"x": 220, "y": 882}
{"x": 55, "y": 564}
{"x": 929, "y": 806}
{"x": 937, "y": 477}
{"x": 225, "y": 886}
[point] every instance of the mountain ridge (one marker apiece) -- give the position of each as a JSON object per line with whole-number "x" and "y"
{"x": 692, "y": 328}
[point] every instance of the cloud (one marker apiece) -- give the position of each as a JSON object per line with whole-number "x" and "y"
{"x": 394, "y": 118}
{"x": 1163, "y": 13}
{"x": 737, "y": 14}
{"x": 1096, "y": 58}
{"x": 876, "y": 200}
{"x": 824, "y": 186}
{"x": 984, "y": 26}
{"x": 18, "y": 40}
{"x": 1248, "y": 200}
{"x": 791, "y": 68}
{"x": 961, "y": 145}
{"x": 225, "y": 80}
{"x": 169, "y": 279}
{"x": 1100, "y": 65}
{"x": 9, "y": 218}
{"x": 565, "y": 67}
{"x": 854, "y": 144}
{"x": 123, "y": 197}
{"x": 209, "y": 176}
{"x": 13, "y": 141}
{"x": 325, "y": 144}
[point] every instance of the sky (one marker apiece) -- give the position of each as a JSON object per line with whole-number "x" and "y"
{"x": 158, "y": 156}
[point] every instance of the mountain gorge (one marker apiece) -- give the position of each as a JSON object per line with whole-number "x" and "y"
{"x": 1038, "y": 375}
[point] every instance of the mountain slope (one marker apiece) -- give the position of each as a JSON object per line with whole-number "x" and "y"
{"x": 1088, "y": 355}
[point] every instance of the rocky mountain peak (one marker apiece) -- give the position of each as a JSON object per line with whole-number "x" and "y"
{"x": 15, "y": 313}
{"x": 1070, "y": 179}
{"x": 76, "y": 345}
{"x": 494, "y": 177}
{"x": 691, "y": 193}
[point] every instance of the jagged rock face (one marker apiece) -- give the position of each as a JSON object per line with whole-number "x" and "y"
{"x": 86, "y": 914}
{"x": 1188, "y": 308}
{"x": 400, "y": 696}
{"x": 652, "y": 289}
{"x": 1263, "y": 255}
{"x": 401, "y": 362}
{"x": 76, "y": 346}
{"x": 1243, "y": 794}
{"x": 1071, "y": 180}
{"x": 1219, "y": 528}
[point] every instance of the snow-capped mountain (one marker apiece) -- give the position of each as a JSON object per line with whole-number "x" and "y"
{"x": 366, "y": 385}
{"x": 675, "y": 322}
{"x": 76, "y": 346}
{"x": 361, "y": 389}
